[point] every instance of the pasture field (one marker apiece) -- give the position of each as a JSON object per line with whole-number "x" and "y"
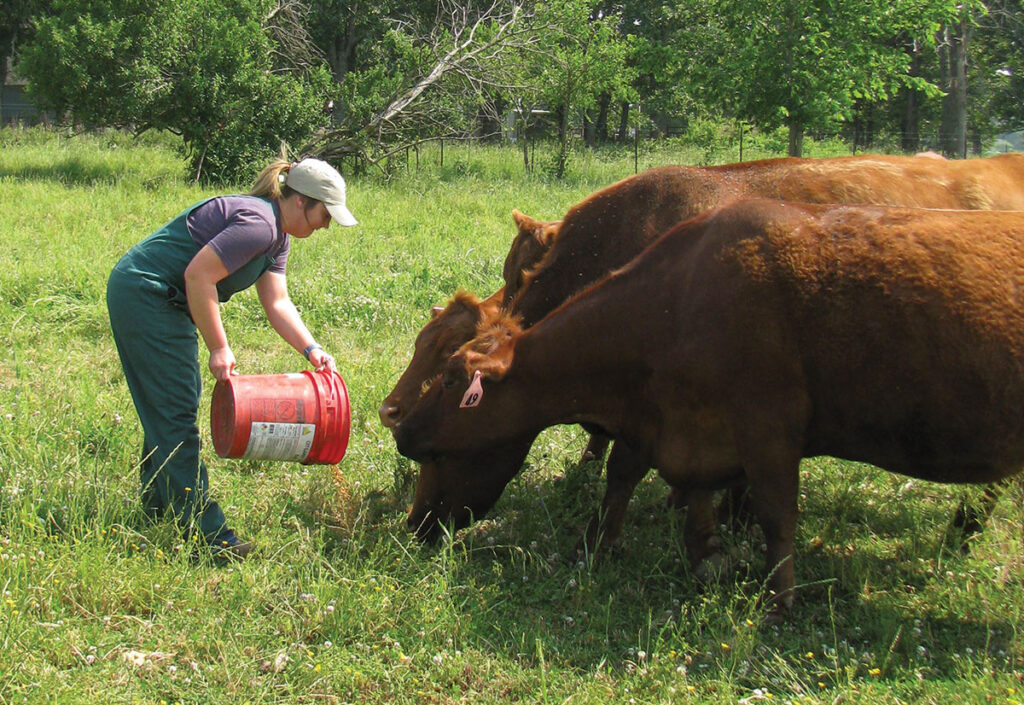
{"x": 341, "y": 605}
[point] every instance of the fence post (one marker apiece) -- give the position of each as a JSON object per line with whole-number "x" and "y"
{"x": 636, "y": 149}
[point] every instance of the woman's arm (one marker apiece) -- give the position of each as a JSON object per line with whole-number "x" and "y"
{"x": 201, "y": 277}
{"x": 272, "y": 288}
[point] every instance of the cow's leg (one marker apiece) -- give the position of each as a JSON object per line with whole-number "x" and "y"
{"x": 700, "y": 532}
{"x": 734, "y": 508}
{"x": 774, "y": 490}
{"x": 970, "y": 516}
{"x": 596, "y": 447}
{"x": 625, "y": 469}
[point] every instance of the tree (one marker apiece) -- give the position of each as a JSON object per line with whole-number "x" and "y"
{"x": 209, "y": 71}
{"x": 345, "y": 30}
{"x": 15, "y": 27}
{"x": 804, "y": 64}
{"x": 996, "y": 71}
{"x": 953, "y": 42}
{"x": 427, "y": 80}
{"x": 582, "y": 57}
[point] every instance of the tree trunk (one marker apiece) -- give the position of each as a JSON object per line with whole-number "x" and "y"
{"x": 563, "y": 141}
{"x": 521, "y": 132}
{"x": 910, "y": 136}
{"x": 622, "y": 134}
{"x": 340, "y": 52}
{"x": 796, "y": 139}
{"x": 953, "y": 42}
{"x": 6, "y": 50}
{"x": 589, "y": 129}
{"x": 864, "y": 128}
{"x": 601, "y": 128}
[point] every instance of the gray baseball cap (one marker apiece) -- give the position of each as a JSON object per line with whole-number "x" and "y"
{"x": 319, "y": 180}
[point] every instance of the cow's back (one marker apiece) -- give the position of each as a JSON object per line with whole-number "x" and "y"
{"x": 994, "y": 183}
{"x": 613, "y": 225}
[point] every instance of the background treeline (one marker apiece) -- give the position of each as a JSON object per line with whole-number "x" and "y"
{"x": 369, "y": 79}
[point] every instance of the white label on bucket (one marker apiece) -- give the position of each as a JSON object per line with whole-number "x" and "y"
{"x": 279, "y": 441}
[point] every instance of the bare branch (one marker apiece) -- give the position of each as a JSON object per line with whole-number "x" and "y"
{"x": 294, "y": 49}
{"x": 471, "y": 46}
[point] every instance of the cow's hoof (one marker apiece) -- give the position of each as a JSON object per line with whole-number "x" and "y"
{"x": 777, "y": 607}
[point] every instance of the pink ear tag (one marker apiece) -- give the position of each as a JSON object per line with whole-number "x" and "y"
{"x": 474, "y": 394}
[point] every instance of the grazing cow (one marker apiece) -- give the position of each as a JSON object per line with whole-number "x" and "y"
{"x": 613, "y": 225}
{"x": 446, "y": 331}
{"x": 746, "y": 339}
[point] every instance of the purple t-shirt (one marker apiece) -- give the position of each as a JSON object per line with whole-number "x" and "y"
{"x": 239, "y": 229}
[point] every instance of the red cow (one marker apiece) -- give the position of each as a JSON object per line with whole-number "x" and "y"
{"x": 749, "y": 338}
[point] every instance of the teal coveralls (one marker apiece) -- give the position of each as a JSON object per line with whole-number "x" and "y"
{"x": 158, "y": 346}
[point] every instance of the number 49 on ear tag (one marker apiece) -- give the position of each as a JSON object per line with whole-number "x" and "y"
{"x": 474, "y": 394}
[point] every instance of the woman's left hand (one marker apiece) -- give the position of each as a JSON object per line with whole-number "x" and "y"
{"x": 321, "y": 360}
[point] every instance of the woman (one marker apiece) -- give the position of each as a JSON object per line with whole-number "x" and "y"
{"x": 170, "y": 284}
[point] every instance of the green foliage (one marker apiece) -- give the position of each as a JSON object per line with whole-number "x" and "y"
{"x": 582, "y": 57}
{"x": 204, "y": 70}
{"x": 996, "y": 69}
{"x": 803, "y": 64}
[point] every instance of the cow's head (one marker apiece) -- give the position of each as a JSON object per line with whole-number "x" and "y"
{"x": 453, "y": 415}
{"x": 531, "y": 243}
{"x": 454, "y": 490}
{"x": 469, "y": 445}
{"x": 448, "y": 330}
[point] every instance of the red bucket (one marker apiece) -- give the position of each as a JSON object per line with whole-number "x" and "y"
{"x": 303, "y": 417}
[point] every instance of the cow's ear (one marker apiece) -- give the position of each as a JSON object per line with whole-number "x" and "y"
{"x": 436, "y": 311}
{"x": 547, "y": 233}
{"x": 492, "y": 367}
{"x": 523, "y": 221}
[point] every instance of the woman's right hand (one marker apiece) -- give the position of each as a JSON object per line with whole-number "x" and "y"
{"x": 222, "y": 363}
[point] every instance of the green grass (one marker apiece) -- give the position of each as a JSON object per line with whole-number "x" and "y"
{"x": 98, "y": 605}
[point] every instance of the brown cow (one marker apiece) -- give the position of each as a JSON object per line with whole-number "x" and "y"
{"x": 613, "y": 225}
{"x": 747, "y": 339}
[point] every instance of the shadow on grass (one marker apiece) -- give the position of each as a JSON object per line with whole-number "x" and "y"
{"x": 875, "y": 590}
{"x": 69, "y": 171}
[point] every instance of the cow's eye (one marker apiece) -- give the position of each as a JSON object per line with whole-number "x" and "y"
{"x": 447, "y": 382}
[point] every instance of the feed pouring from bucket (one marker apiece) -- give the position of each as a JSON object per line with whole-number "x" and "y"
{"x": 304, "y": 417}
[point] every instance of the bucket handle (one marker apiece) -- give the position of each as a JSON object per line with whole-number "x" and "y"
{"x": 332, "y": 385}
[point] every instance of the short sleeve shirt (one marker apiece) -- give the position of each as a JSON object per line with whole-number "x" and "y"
{"x": 239, "y": 229}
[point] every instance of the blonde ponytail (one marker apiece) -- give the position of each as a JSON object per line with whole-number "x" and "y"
{"x": 270, "y": 181}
